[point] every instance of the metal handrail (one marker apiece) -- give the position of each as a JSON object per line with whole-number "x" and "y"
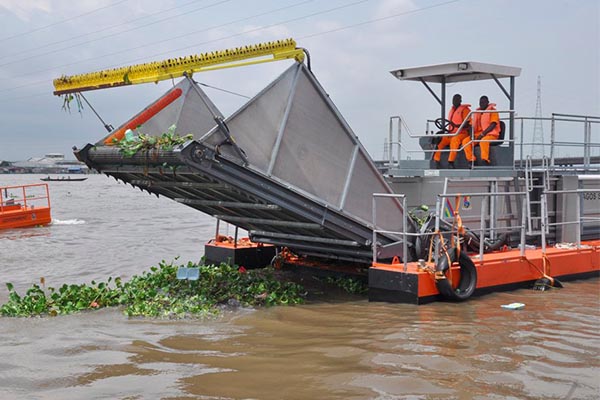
{"x": 545, "y": 222}
{"x": 404, "y": 234}
{"x": 401, "y": 123}
{"x": 587, "y": 121}
{"x": 555, "y": 119}
{"x": 587, "y": 142}
{"x": 24, "y": 199}
{"x": 465, "y": 121}
{"x": 459, "y": 149}
{"x": 402, "y": 147}
{"x": 575, "y": 144}
{"x": 577, "y": 116}
{"x": 445, "y": 195}
{"x": 579, "y": 191}
{"x": 522, "y": 227}
{"x": 375, "y": 231}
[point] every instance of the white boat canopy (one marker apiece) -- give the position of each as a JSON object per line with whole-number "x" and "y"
{"x": 463, "y": 71}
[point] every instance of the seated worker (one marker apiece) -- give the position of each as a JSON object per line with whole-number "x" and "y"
{"x": 486, "y": 126}
{"x": 457, "y": 114}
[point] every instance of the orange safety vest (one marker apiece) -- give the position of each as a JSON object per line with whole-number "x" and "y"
{"x": 458, "y": 115}
{"x": 483, "y": 120}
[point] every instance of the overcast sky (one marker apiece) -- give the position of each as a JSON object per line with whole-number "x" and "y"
{"x": 354, "y": 44}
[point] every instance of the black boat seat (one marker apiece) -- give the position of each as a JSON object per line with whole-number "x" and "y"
{"x": 501, "y": 135}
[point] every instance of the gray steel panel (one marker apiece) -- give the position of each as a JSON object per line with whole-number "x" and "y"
{"x": 316, "y": 150}
{"x": 197, "y": 114}
{"x": 349, "y": 176}
{"x": 166, "y": 117}
{"x": 359, "y": 200}
{"x": 188, "y": 113}
{"x": 256, "y": 125}
{"x": 284, "y": 120}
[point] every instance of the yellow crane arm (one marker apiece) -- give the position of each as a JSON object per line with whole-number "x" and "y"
{"x": 176, "y": 67}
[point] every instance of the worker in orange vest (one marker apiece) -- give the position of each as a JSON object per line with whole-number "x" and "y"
{"x": 486, "y": 127}
{"x": 457, "y": 114}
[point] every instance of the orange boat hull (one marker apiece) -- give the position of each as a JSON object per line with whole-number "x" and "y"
{"x": 24, "y": 217}
{"x": 243, "y": 252}
{"x": 497, "y": 271}
{"x": 24, "y": 206}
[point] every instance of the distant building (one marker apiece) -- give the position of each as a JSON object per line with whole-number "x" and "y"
{"x": 5, "y": 167}
{"x": 51, "y": 163}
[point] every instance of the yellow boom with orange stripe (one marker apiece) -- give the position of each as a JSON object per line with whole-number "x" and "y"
{"x": 177, "y": 67}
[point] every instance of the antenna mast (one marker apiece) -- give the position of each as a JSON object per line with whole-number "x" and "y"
{"x": 538, "y": 150}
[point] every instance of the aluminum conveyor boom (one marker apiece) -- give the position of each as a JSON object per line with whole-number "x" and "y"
{"x": 286, "y": 166}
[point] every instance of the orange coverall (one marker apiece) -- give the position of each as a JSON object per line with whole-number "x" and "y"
{"x": 480, "y": 123}
{"x": 457, "y": 116}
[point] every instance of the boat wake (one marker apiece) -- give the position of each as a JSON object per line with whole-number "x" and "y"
{"x": 67, "y": 221}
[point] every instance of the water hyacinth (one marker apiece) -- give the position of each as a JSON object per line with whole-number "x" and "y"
{"x": 350, "y": 285}
{"x": 158, "y": 293}
{"x": 131, "y": 144}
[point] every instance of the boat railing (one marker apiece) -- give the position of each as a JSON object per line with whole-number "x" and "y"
{"x": 485, "y": 215}
{"x": 585, "y": 146}
{"x": 579, "y": 218}
{"x": 401, "y": 146}
{"x": 400, "y": 123}
{"x": 26, "y": 196}
{"x": 404, "y": 233}
{"x": 236, "y": 232}
{"x": 483, "y": 230}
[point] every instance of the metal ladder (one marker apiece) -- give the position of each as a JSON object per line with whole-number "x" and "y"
{"x": 533, "y": 198}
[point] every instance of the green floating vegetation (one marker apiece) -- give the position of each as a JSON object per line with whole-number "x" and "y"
{"x": 158, "y": 293}
{"x": 350, "y": 285}
{"x": 132, "y": 144}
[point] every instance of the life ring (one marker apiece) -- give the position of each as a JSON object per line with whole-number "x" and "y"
{"x": 468, "y": 276}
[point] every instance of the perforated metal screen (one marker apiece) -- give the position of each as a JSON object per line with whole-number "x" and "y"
{"x": 293, "y": 133}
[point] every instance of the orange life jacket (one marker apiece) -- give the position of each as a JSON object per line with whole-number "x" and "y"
{"x": 458, "y": 115}
{"x": 483, "y": 120}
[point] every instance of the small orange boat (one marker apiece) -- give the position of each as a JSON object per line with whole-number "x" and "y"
{"x": 24, "y": 206}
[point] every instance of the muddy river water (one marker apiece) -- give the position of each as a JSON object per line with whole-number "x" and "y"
{"x": 342, "y": 348}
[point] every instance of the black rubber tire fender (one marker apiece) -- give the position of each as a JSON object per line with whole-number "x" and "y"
{"x": 468, "y": 276}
